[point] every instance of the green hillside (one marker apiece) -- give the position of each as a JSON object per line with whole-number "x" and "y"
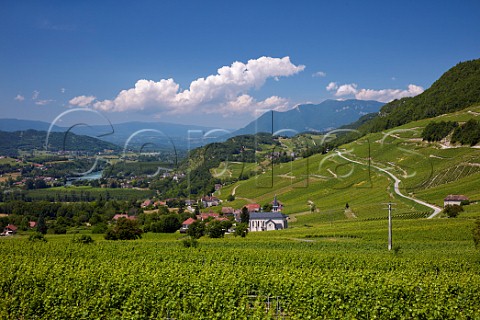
{"x": 427, "y": 170}
{"x": 456, "y": 89}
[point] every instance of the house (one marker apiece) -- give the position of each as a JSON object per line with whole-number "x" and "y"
{"x": 190, "y": 202}
{"x": 252, "y": 207}
{"x": 32, "y": 224}
{"x": 454, "y": 199}
{"x": 147, "y": 203}
{"x": 9, "y": 230}
{"x": 205, "y": 216}
{"x": 210, "y": 201}
{"x": 218, "y": 186}
{"x": 160, "y": 203}
{"x": 267, "y": 221}
{"x": 186, "y": 224}
{"x": 227, "y": 210}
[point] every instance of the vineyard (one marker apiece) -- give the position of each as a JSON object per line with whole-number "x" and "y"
{"x": 330, "y": 270}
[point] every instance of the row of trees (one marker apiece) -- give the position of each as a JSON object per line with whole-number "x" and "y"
{"x": 468, "y": 133}
{"x": 436, "y": 131}
{"x": 215, "y": 229}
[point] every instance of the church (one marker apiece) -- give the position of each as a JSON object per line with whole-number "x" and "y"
{"x": 267, "y": 221}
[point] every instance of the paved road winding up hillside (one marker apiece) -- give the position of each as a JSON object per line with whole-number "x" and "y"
{"x": 436, "y": 209}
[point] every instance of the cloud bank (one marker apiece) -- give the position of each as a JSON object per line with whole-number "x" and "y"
{"x": 383, "y": 95}
{"x": 224, "y": 92}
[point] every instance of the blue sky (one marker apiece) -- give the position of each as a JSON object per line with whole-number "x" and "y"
{"x": 160, "y": 61}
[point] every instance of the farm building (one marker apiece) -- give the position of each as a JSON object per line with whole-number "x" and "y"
{"x": 454, "y": 199}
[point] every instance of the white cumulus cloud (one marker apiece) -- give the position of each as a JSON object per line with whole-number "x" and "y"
{"x": 225, "y": 91}
{"x": 247, "y": 104}
{"x": 346, "y": 89}
{"x": 319, "y": 74}
{"x": 82, "y": 101}
{"x": 383, "y": 95}
{"x": 19, "y": 97}
{"x": 332, "y": 86}
{"x": 387, "y": 95}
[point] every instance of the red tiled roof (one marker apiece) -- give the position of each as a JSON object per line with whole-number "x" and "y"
{"x": 11, "y": 227}
{"x": 32, "y": 224}
{"x": 146, "y": 203}
{"x": 189, "y": 221}
{"x": 252, "y": 206}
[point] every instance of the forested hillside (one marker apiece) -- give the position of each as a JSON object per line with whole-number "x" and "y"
{"x": 456, "y": 89}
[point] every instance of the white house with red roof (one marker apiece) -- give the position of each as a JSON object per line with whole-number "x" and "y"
{"x": 9, "y": 230}
{"x": 186, "y": 224}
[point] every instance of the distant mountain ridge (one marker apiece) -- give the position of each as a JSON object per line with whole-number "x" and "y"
{"x": 165, "y": 133}
{"x": 11, "y": 125}
{"x": 30, "y": 140}
{"x": 329, "y": 114}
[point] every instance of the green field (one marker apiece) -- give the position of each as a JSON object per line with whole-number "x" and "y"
{"x": 333, "y": 269}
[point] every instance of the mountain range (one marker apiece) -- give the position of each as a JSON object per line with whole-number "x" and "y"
{"x": 321, "y": 117}
{"x": 325, "y": 116}
{"x": 161, "y": 134}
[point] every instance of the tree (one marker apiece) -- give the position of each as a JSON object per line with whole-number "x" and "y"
{"x": 166, "y": 224}
{"x": 230, "y": 197}
{"x": 241, "y": 230}
{"x": 245, "y": 215}
{"x": 217, "y": 229}
{"x": 196, "y": 230}
{"x": 452, "y": 211}
{"x": 124, "y": 229}
{"x": 42, "y": 225}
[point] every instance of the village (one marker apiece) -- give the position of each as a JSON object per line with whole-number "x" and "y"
{"x": 258, "y": 218}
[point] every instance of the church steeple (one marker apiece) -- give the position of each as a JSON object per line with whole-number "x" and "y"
{"x": 275, "y": 204}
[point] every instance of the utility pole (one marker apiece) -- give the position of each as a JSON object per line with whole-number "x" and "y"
{"x": 389, "y": 226}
